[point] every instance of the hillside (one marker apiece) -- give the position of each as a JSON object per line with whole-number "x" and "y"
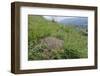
{"x": 73, "y": 41}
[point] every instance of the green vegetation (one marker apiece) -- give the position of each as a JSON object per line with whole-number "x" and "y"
{"x": 74, "y": 41}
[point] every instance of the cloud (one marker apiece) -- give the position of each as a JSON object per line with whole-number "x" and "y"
{"x": 57, "y": 18}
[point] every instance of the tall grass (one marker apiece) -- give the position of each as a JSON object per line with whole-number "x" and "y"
{"x": 75, "y": 43}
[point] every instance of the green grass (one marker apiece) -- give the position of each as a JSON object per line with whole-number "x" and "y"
{"x": 75, "y": 42}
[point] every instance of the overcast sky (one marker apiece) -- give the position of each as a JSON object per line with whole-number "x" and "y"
{"x": 57, "y": 18}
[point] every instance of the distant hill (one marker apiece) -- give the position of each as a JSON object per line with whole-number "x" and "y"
{"x": 76, "y": 21}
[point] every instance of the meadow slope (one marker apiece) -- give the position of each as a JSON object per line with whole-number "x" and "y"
{"x": 74, "y": 40}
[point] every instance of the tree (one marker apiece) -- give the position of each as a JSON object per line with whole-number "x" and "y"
{"x": 53, "y": 19}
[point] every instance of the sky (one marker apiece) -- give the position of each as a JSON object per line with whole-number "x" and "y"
{"x": 57, "y": 18}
